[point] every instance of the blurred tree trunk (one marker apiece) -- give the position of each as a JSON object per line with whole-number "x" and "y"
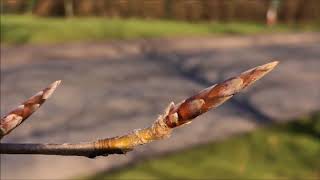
{"x": 308, "y": 11}
{"x": 211, "y": 10}
{"x": 153, "y": 9}
{"x": 68, "y": 7}
{"x": 17, "y": 6}
{"x": 290, "y": 11}
{"x": 168, "y": 8}
{"x": 85, "y": 7}
{"x": 49, "y": 8}
{"x": 30, "y": 6}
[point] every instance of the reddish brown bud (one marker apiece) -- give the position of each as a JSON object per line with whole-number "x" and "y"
{"x": 215, "y": 95}
{"x": 22, "y": 112}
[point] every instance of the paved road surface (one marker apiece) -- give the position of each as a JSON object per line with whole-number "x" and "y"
{"x": 112, "y": 88}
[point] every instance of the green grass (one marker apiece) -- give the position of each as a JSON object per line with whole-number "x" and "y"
{"x": 18, "y": 29}
{"x": 289, "y": 151}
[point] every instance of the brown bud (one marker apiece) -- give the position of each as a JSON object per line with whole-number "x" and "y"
{"x": 215, "y": 95}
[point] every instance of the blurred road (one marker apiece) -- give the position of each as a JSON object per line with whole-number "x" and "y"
{"x": 114, "y": 87}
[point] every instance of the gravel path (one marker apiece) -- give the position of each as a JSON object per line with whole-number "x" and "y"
{"x": 112, "y": 88}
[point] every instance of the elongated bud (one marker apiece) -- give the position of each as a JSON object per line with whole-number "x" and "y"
{"x": 22, "y": 112}
{"x": 215, "y": 95}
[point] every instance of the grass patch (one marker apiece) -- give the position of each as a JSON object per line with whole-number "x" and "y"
{"x": 289, "y": 151}
{"x": 20, "y": 29}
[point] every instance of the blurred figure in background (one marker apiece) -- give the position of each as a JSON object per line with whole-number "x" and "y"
{"x": 272, "y": 13}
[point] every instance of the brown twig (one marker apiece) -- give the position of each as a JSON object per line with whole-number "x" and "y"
{"x": 174, "y": 116}
{"x": 22, "y": 112}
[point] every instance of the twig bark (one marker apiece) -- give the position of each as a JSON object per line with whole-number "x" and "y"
{"x": 174, "y": 116}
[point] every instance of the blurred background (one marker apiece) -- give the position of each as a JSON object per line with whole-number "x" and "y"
{"x": 122, "y": 61}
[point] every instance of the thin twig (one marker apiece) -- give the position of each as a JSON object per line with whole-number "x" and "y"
{"x": 14, "y": 118}
{"x": 174, "y": 116}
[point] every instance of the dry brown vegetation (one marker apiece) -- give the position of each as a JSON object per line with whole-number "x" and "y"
{"x": 191, "y": 10}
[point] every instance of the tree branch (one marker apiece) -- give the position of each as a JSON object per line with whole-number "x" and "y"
{"x": 174, "y": 116}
